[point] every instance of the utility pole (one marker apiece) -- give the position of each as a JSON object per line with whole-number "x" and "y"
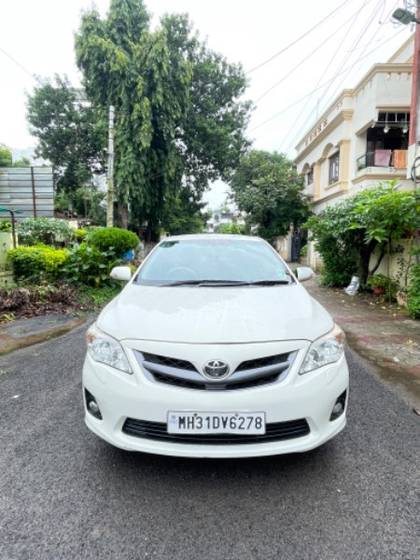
{"x": 406, "y": 17}
{"x": 110, "y": 174}
{"x": 414, "y": 137}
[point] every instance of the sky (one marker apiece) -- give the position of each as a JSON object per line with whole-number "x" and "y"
{"x": 37, "y": 38}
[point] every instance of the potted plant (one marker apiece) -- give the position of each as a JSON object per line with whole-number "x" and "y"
{"x": 382, "y": 284}
{"x": 303, "y": 254}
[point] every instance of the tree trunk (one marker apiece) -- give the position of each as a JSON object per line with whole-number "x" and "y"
{"x": 152, "y": 233}
{"x": 366, "y": 250}
{"x": 381, "y": 256}
{"x": 123, "y": 215}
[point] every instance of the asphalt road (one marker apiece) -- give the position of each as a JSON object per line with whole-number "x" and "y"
{"x": 64, "y": 494}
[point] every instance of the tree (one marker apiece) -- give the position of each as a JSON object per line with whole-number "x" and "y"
{"x": 233, "y": 229}
{"x": 5, "y": 156}
{"x": 184, "y": 215}
{"x": 71, "y": 133}
{"x": 348, "y": 234}
{"x": 268, "y": 189}
{"x": 22, "y": 162}
{"x": 179, "y": 123}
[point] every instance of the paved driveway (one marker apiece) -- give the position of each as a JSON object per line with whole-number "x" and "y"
{"x": 64, "y": 494}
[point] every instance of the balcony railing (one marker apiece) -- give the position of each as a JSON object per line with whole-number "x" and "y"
{"x": 383, "y": 158}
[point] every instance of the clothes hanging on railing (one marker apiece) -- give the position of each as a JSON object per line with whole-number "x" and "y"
{"x": 400, "y": 159}
{"x": 383, "y": 158}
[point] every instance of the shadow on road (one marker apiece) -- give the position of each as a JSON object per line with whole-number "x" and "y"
{"x": 174, "y": 470}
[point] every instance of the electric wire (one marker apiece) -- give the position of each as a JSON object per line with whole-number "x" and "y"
{"x": 308, "y": 56}
{"x": 277, "y": 114}
{"x": 297, "y": 40}
{"x": 19, "y": 65}
{"x": 339, "y": 86}
{"x": 327, "y": 68}
{"x": 352, "y": 49}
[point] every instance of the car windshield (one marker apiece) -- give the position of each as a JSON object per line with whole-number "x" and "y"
{"x": 213, "y": 262}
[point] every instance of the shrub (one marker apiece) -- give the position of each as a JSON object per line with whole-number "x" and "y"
{"x": 49, "y": 231}
{"x": 348, "y": 233}
{"x": 413, "y": 294}
{"x": 5, "y": 225}
{"x": 88, "y": 265}
{"x": 80, "y": 234}
{"x": 117, "y": 240}
{"x": 37, "y": 263}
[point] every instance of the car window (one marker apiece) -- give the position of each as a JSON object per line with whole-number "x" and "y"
{"x": 212, "y": 260}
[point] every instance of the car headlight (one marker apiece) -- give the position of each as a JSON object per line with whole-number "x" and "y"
{"x": 326, "y": 350}
{"x": 106, "y": 350}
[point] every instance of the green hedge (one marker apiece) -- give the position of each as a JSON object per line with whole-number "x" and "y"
{"x": 37, "y": 263}
{"x": 113, "y": 239}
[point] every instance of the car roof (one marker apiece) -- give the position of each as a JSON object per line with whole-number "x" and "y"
{"x": 207, "y": 236}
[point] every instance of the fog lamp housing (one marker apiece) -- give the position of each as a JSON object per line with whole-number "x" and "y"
{"x": 339, "y": 406}
{"x": 92, "y": 406}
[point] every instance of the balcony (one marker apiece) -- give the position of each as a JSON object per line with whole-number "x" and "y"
{"x": 396, "y": 159}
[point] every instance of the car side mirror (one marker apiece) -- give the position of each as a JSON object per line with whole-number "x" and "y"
{"x": 304, "y": 273}
{"x": 122, "y": 273}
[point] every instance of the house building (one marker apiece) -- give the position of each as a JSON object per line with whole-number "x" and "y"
{"x": 223, "y": 216}
{"x": 362, "y": 137}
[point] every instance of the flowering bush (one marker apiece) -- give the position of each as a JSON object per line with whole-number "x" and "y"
{"x": 49, "y": 231}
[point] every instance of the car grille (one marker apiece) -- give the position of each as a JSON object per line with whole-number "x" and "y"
{"x": 182, "y": 373}
{"x": 277, "y": 431}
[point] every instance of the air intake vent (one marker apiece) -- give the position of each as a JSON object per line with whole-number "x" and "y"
{"x": 277, "y": 431}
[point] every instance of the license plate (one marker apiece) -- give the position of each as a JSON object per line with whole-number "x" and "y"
{"x": 216, "y": 422}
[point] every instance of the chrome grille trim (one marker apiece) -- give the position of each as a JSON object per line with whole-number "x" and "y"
{"x": 190, "y": 378}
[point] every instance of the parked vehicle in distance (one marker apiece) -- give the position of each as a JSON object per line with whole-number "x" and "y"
{"x": 215, "y": 349}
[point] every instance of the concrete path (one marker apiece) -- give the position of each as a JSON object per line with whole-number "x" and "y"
{"x": 380, "y": 332}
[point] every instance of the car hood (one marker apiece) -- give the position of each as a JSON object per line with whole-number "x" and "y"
{"x": 215, "y": 315}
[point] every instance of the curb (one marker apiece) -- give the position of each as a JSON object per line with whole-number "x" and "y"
{"x": 10, "y": 343}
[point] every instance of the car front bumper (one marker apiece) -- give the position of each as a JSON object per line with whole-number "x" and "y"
{"x": 311, "y": 396}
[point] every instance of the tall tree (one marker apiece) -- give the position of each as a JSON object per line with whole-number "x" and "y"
{"x": 267, "y": 187}
{"x": 179, "y": 123}
{"x": 71, "y": 134}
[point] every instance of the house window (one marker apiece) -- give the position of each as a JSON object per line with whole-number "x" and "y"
{"x": 310, "y": 176}
{"x": 334, "y": 168}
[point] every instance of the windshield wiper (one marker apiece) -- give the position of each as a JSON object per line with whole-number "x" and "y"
{"x": 222, "y": 283}
{"x": 204, "y": 283}
{"x": 267, "y": 283}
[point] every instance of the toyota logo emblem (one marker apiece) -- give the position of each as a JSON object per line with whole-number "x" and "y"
{"x": 216, "y": 369}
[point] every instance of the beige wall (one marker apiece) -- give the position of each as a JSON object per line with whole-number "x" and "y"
{"x": 390, "y": 265}
{"x": 385, "y": 87}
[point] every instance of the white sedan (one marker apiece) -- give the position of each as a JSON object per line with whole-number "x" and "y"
{"x": 215, "y": 349}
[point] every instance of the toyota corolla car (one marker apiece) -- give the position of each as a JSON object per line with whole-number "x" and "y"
{"x": 215, "y": 349}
